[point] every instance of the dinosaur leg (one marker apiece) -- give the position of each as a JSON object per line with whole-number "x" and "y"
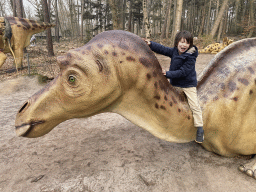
{"x": 2, "y": 58}
{"x": 249, "y": 168}
{"x": 18, "y": 58}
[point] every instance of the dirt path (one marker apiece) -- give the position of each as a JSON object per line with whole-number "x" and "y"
{"x": 106, "y": 153}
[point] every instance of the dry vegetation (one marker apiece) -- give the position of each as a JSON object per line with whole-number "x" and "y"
{"x": 39, "y": 61}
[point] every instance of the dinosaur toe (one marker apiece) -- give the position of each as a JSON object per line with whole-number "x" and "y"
{"x": 249, "y": 172}
{"x": 241, "y": 168}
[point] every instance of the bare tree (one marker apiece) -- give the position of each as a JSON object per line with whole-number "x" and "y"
{"x": 19, "y": 8}
{"x": 48, "y": 31}
{"x": 177, "y": 22}
{"x": 2, "y": 11}
{"x": 146, "y": 23}
{"x": 167, "y": 18}
{"x": 114, "y": 14}
{"x": 57, "y": 35}
{"x": 209, "y": 18}
{"x": 219, "y": 18}
{"x": 130, "y": 16}
{"x": 82, "y": 20}
{"x": 201, "y": 28}
{"x": 200, "y": 17}
{"x": 13, "y": 2}
{"x": 251, "y": 19}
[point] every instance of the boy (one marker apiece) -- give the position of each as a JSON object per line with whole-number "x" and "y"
{"x": 182, "y": 73}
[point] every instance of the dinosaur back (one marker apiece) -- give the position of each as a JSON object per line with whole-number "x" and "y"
{"x": 231, "y": 71}
{"x": 29, "y": 25}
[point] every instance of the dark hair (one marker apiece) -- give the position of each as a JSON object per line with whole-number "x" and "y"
{"x": 186, "y": 35}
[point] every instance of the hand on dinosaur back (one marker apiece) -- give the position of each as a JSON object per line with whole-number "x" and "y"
{"x": 147, "y": 41}
{"x": 163, "y": 72}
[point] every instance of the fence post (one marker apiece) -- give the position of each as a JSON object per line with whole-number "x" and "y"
{"x": 28, "y": 64}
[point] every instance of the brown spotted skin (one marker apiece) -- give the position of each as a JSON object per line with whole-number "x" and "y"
{"x": 226, "y": 91}
{"x": 22, "y": 30}
{"x": 117, "y": 72}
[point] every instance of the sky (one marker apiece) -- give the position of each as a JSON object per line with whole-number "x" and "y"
{"x": 28, "y": 5}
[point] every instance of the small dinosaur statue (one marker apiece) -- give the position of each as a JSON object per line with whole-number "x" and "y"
{"x": 7, "y": 37}
{"x": 117, "y": 72}
{"x": 216, "y": 47}
{"x": 17, "y": 32}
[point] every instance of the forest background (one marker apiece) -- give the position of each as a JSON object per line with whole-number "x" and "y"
{"x": 206, "y": 19}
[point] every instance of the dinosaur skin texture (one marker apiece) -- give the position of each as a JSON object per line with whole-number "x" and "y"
{"x": 15, "y": 34}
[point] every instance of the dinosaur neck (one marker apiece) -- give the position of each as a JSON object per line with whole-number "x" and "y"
{"x": 165, "y": 116}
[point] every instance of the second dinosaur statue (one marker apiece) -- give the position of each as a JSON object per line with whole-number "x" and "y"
{"x": 15, "y": 34}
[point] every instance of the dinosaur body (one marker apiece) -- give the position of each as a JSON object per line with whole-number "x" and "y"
{"x": 17, "y": 32}
{"x": 117, "y": 72}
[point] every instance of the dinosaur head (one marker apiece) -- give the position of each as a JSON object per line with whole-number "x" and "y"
{"x": 85, "y": 86}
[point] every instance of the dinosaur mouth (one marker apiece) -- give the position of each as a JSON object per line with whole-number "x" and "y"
{"x": 24, "y": 129}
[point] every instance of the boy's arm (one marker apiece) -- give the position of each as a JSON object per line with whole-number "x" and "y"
{"x": 185, "y": 69}
{"x": 160, "y": 49}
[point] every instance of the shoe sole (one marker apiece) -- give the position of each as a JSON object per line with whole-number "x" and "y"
{"x": 199, "y": 141}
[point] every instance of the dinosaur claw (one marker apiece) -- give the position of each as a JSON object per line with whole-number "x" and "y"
{"x": 241, "y": 168}
{"x": 249, "y": 172}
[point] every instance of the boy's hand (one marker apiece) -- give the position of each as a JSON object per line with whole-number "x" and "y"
{"x": 147, "y": 41}
{"x": 164, "y": 72}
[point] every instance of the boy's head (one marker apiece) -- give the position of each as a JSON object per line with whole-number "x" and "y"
{"x": 186, "y": 35}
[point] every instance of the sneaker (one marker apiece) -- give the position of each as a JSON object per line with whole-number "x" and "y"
{"x": 199, "y": 135}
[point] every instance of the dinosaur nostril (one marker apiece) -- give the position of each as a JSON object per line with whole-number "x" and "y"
{"x": 23, "y": 107}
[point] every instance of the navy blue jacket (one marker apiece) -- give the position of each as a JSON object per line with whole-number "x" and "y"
{"x": 182, "y": 72}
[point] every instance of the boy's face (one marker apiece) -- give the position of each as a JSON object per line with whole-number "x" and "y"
{"x": 183, "y": 46}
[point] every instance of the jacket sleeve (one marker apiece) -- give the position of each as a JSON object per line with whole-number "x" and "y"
{"x": 160, "y": 49}
{"x": 184, "y": 70}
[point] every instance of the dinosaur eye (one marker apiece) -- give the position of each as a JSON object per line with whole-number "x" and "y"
{"x": 71, "y": 78}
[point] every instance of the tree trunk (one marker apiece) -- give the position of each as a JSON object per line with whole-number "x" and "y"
{"x": 177, "y": 19}
{"x": 124, "y": 11}
{"x": 203, "y": 20}
{"x": 70, "y": 3}
{"x": 236, "y": 14}
{"x": 82, "y": 20}
{"x": 208, "y": 18}
{"x": 251, "y": 19}
{"x": 2, "y": 12}
{"x": 130, "y": 17}
{"x": 167, "y": 17}
{"x": 48, "y": 31}
{"x": 220, "y": 16}
{"x": 169, "y": 20}
{"x": 220, "y": 31}
{"x": 145, "y": 19}
{"x": 114, "y": 14}
{"x": 19, "y": 8}
{"x": 57, "y": 35}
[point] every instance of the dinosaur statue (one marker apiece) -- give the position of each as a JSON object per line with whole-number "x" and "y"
{"x": 117, "y": 72}
{"x": 7, "y": 36}
{"x": 216, "y": 47}
{"x": 15, "y": 34}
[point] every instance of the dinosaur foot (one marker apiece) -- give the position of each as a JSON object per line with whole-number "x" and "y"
{"x": 247, "y": 171}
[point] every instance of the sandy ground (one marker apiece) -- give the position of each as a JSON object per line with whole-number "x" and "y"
{"x": 106, "y": 153}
